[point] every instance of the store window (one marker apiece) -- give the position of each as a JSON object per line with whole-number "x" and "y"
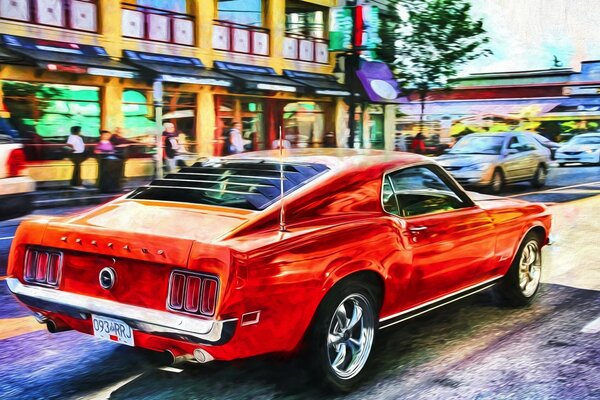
{"x": 48, "y": 110}
{"x": 250, "y": 113}
{"x": 304, "y": 124}
{"x": 246, "y": 12}
{"x": 179, "y": 108}
{"x": 305, "y": 19}
{"x": 374, "y": 127}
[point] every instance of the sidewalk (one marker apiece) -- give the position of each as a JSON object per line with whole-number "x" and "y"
{"x": 573, "y": 258}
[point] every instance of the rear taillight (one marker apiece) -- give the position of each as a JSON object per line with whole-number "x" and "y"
{"x": 15, "y": 164}
{"x": 42, "y": 267}
{"x": 193, "y": 293}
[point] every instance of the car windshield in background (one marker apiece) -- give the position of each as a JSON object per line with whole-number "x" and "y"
{"x": 247, "y": 184}
{"x": 478, "y": 145}
{"x": 586, "y": 140}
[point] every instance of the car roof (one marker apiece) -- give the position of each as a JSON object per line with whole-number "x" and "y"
{"x": 336, "y": 159}
{"x": 588, "y": 134}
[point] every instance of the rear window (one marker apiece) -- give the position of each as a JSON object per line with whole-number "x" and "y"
{"x": 247, "y": 184}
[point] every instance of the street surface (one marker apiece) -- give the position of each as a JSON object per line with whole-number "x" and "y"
{"x": 469, "y": 350}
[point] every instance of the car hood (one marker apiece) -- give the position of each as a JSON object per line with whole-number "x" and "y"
{"x": 464, "y": 160}
{"x": 579, "y": 147}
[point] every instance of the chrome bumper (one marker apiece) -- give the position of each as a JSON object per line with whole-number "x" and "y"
{"x": 156, "y": 322}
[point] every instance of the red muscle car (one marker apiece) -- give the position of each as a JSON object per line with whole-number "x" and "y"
{"x": 208, "y": 263}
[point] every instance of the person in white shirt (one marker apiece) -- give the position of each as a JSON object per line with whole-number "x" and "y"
{"x": 77, "y": 156}
{"x": 236, "y": 141}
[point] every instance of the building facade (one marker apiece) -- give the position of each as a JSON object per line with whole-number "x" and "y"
{"x": 101, "y": 63}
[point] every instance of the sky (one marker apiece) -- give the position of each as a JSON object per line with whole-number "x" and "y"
{"x": 526, "y": 34}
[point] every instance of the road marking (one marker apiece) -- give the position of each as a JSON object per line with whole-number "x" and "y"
{"x": 12, "y": 327}
{"x": 171, "y": 369}
{"x": 592, "y": 327}
{"x": 556, "y": 189}
{"x": 106, "y": 393}
{"x": 7, "y": 238}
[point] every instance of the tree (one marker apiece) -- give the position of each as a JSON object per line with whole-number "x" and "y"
{"x": 432, "y": 38}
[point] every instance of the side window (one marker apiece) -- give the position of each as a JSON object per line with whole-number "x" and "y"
{"x": 514, "y": 144}
{"x": 528, "y": 143}
{"x": 418, "y": 191}
{"x": 389, "y": 198}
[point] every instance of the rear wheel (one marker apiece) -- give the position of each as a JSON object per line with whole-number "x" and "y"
{"x": 497, "y": 182}
{"x": 522, "y": 281}
{"x": 342, "y": 335}
{"x": 539, "y": 178}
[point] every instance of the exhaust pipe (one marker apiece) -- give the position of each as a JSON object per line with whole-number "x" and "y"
{"x": 57, "y": 326}
{"x": 178, "y": 359}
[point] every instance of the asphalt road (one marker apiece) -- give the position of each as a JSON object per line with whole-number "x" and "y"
{"x": 469, "y": 350}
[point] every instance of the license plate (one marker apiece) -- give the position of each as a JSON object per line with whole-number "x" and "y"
{"x": 112, "y": 329}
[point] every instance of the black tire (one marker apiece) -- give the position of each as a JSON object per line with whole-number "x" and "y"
{"x": 497, "y": 183}
{"x": 510, "y": 291}
{"x": 321, "y": 351}
{"x": 539, "y": 178}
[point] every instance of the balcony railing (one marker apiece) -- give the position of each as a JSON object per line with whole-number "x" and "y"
{"x": 157, "y": 25}
{"x": 80, "y": 15}
{"x": 305, "y": 48}
{"x": 240, "y": 38}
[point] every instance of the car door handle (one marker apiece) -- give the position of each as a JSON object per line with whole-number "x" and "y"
{"x": 416, "y": 229}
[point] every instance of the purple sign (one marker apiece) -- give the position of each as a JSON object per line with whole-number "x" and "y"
{"x": 378, "y": 81}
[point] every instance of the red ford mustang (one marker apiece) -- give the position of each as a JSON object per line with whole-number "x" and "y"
{"x": 204, "y": 265}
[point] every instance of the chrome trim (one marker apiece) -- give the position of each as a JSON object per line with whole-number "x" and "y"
{"x": 112, "y": 276}
{"x": 426, "y": 305}
{"x": 140, "y": 318}
{"x": 202, "y": 275}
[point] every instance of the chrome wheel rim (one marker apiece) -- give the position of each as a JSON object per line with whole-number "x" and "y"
{"x": 496, "y": 182}
{"x": 350, "y": 336}
{"x": 530, "y": 268}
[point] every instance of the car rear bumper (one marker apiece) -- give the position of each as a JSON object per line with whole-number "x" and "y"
{"x": 161, "y": 323}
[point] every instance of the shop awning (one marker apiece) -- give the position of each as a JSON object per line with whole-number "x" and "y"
{"x": 379, "y": 83}
{"x": 320, "y": 84}
{"x": 254, "y": 78}
{"x": 65, "y": 57}
{"x": 176, "y": 68}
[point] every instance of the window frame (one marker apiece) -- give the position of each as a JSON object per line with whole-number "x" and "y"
{"x": 440, "y": 173}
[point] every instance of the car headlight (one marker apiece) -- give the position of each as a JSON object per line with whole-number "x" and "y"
{"x": 590, "y": 151}
{"x": 478, "y": 167}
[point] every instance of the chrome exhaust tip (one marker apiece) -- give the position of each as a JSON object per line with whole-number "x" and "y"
{"x": 178, "y": 359}
{"x": 202, "y": 356}
{"x": 57, "y": 326}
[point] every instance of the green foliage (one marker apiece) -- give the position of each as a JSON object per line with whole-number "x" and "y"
{"x": 431, "y": 39}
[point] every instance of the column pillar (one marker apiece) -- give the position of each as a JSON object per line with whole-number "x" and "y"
{"x": 341, "y": 123}
{"x": 389, "y": 126}
{"x": 205, "y": 122}
{"x": 111, "y": 101}
{"x": 275, "y": 22}
{"x": 110, "y": 25}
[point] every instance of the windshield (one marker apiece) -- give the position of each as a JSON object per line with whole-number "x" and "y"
{"x": 586, "y": 140}
{"x": 478, "y": 145}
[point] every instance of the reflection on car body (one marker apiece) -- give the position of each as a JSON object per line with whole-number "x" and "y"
{"x": 491, "y": 160}
{"x": 197, "y": 265}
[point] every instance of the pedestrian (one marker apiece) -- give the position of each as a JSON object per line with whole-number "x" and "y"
{"x": 236, "y": 141}
{"x": 104, "y": 146}
{"x": 77, "y": 156}
{"x": 171, "y": 147}
{"x": 418, "y": 144}
{"x": 120, "y": 143}
{"x": 400, "y": 144}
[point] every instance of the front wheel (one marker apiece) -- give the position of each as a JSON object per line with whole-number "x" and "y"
{"x": 343, "y": 334}
{"x": 497, "y": 182}
{"x": 522, "y": 281}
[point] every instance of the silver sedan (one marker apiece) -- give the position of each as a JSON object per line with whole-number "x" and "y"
{"x": 491, "y": 160}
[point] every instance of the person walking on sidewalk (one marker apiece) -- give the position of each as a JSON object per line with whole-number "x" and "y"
{"x": 77, "y": 156}
{"x": 236, "y": 140}
{"x": 171, "y": 147}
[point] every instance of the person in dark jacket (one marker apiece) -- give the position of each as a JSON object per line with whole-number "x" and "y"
{"x": 418, "y": 144}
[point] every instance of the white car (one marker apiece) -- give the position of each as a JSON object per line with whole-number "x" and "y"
{"x": 584, "y": 148}
{"x": 16, "y": 188}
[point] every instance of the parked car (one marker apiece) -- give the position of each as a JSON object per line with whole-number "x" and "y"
{"x": 491, "y": 160}
{"x": 547, "y": 143}
{"x": 209, "y": 263}
{"x": 16, "y": 188}
{"x": 584, "y": 148}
